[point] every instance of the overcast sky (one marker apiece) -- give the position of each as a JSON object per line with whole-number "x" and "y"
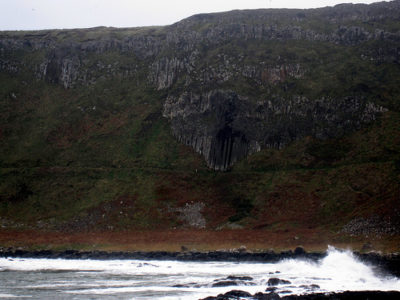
{"x": 49, "y": 14}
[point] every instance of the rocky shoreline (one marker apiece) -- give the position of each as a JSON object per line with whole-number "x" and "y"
{"x": 387, "y": 263}
{"x": 383, "y": 264}
{"x": 353, "y": 295}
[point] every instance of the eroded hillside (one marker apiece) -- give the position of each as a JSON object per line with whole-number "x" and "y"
{"x": 111, "y": 129}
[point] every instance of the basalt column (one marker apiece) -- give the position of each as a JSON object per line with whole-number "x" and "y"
{"x": 207, "y": 122}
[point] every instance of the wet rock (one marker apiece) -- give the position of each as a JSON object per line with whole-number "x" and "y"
{"x": 310, "y": 287}
{"x": 288, "y": 253}
{"x": 234, "y": 294}
{"x": 384, "y": 264}
{"x": 276, "y": 281}
{"x": 299, "y": 251}
{"x": 237, "y": 293}
{"x": 270, "y": 296}
{"x": 314, "y": 286}
{"x": 362, "y": 295}
{"x": 181, "y": 286}
{"x": 244, "y": 278}
{"x": 285, "y": 292}
{"x": 233, "y": 281}
{"x": 225, "y": 283}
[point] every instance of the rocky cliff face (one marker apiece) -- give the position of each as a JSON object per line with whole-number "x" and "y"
{"x": 225, "y": 127}
{"x": 235, "y": 82}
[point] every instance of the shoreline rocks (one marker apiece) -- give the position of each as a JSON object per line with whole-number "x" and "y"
{"x": 219, "y": 255}
{"x": 353, "y": 295}
{"x": 384, "y": 264}
{"x": 276, "y": 281}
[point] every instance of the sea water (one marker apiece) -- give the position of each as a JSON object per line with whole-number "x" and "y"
{"x": 134, "y": 279}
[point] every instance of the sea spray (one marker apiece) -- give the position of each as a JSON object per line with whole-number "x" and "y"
{"x": 79, "y": 279}
{"x": 340, "y": 270}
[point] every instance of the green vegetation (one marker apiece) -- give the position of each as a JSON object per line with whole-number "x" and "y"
{"x": 310, "y": 182}
{"x": 100, "y": 155}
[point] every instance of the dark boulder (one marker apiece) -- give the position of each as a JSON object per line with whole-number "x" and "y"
{"x": 285, "y": 292}
{"x": 299, "y": 251}
{"x": 235, "y": 294}
{"x": 225, "y": 283}
{"x": 314, "y": 286}
{"x": 310, "y": 287}
{"x": 270, "y": 296}
{"x": 358, "y": 295}
{"x": 276, "y": 281}
{"x": 244, "y": 278}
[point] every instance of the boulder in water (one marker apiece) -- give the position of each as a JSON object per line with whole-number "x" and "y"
{"x": 235, "y": 294}
{"x": 310, "y": 287}
{"x": 224, "y": 283}
{"x": 276, "y": 281}
{"x": 356, "y": 295}
{"x": 244, "y": 278}
{"x": 270, "y": 296}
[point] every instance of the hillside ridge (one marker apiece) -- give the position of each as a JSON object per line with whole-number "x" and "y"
{"x": 117, "y": 129}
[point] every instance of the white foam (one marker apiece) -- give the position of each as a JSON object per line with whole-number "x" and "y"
{"x": 338, "y": 271}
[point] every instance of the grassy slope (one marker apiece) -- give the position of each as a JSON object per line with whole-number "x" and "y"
{"x": 107, "y": 173}
{"x": 102, "y": 158}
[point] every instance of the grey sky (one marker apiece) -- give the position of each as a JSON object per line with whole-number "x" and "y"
{"x": 49, "y": 14}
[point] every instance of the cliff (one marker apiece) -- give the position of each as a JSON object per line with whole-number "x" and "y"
{"x": 236, "y": 82}
{"x": 250, "y": 91}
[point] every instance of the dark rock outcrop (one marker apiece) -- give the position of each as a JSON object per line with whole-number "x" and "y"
{"x": 211, "y": 124}
{"x": 245, "y": 278}
{"x": 233, "y": 280}
{"x": 225, "y": 95}
{"x": 310, "y": 287}
{"x": 360, "y": 295}
{"x": 384, "y": 263}
{"x": 224, "y": 283}
{"x": 235, "y": 294}
{"x": 299, "y": 251}
{"x": 224, "y": 127}
{"x": 276, "y": 281}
